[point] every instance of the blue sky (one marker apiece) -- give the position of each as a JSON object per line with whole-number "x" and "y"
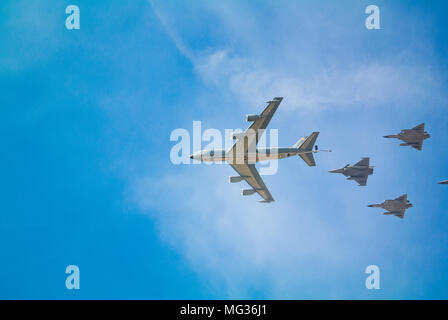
{"x": 86, "y": 117}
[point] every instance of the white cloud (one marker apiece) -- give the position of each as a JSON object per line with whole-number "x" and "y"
{"x": 253, "y": 66}
{"x": 237, "y": 248}
{"x": 368, "y": 85}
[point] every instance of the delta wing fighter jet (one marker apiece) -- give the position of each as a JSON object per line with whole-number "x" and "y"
{"x": 412, "y": 137}
{"x": 358, "y": 172}
{"x": 243, "y": 155}
{"x": 396, "y": 207}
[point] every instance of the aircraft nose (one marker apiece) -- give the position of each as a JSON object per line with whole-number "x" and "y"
{"x": 336, "y": 171}
{"x": 191, "y": 157}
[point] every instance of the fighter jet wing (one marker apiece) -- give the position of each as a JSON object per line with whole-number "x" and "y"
{"x": 363, "y": 163}
{"x": 420, "y": 127}
{"x": 417, "y": 144}
{"x": 253, "y": 134}
{"x": 403, "y": 197}
{"x": 399, "y": 214}
{"x": 414, "y": 142}
{"x": 361, "y": 180}
{"x": 249, "y": 173}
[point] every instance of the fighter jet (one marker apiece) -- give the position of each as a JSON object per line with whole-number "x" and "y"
{"x": 243, "y": 155}
{"x": 358, "y": 172}
{"x": 396, "y": 207}
{"x": 412, "y": 137}
{"x": 443, "y": 182}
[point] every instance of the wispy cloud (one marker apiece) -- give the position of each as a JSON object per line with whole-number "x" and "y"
{"x": 366, "y": 85}
{"x": 253, "y": 61}
{"x": 237, "y": 248}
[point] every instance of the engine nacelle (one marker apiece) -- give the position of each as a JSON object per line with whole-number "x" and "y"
{"x": 252, "y": 117}
{"x": 237, "y": 135}
{"x": 235, "y": 179}
{"x": 247, "y": 192}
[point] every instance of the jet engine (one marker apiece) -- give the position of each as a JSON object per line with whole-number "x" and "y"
{"x": 247, "y": 192}
{"x": 235, "y": 179}
{"x": 252, "y": 117}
